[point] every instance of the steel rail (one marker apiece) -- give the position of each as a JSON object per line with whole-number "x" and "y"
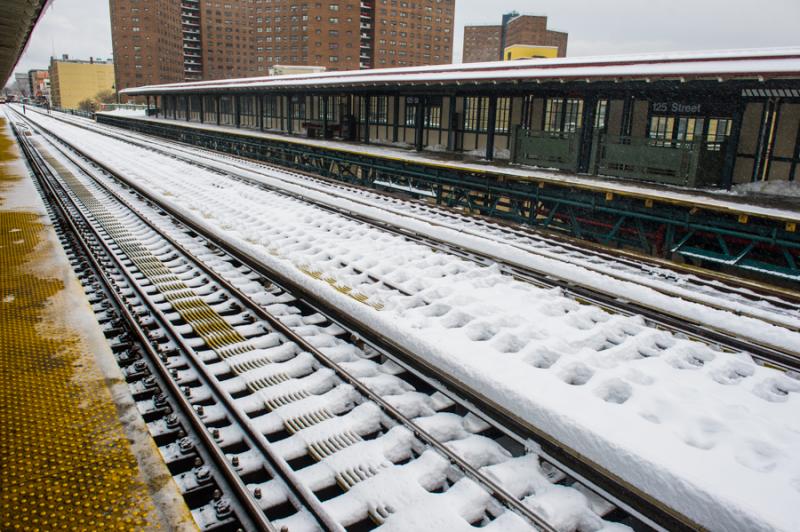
{"x": 640, "y": 503}
{"x": 488, "y": 483}
{"x": 278, "y": 465}
{"x": 254, "y": 518}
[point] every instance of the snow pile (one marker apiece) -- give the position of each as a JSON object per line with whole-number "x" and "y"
{"x": 784, "y": 189}
{"x": 127, "y": 112}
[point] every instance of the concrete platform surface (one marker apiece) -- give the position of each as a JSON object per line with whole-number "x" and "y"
{"x": 74, "y": 452}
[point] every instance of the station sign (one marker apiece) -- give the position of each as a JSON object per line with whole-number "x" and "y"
{"x": 677, "y": 108}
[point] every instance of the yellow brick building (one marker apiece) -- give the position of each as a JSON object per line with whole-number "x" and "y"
{"x": 527, "y": 51}
{"x": 73, "y": 81}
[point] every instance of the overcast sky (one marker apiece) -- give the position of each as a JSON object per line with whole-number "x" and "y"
{"x": 81, "y": 28}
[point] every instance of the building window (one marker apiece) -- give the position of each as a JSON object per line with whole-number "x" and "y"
{"x": 298, "y": 108}
{"x": 248, "y": 114}
{"x": 378, "y": 110}
{"x": 719, "y": 129}
{"x": 271, "y": 109}
{"x": 601, "y": 114}
{"x": 411, "y": 112}
{"x": 433, "y": 113}
{"x": 563, "y": 115}
{"x": 474, "y": 120}
{"x": 503, "y": 115}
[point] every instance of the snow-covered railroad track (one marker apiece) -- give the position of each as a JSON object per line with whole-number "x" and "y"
{"x": 745, "y": 298}
{"x": 656, "y": 409}
{"x": 771, "y": 309}
{"x": 289, "y": 396}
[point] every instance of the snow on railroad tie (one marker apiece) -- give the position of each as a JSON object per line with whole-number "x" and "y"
{"x": 710, "y": 433}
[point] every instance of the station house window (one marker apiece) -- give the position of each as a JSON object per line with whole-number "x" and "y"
{"x": 563, "y": 115}
{"x": 411, "y": 112}
{"x": 271, "y": 108}
{"x": 378, "y": 110}
{"x": 433, "y": 113}
{"x": 210, "y": 109}
{"x": 248, "y": 114}
{"x": 601, "y": 115}
{"x": 298, "y": 108}
{"x": 180, "y": 108}
{"x": 194, "y": 108}
{"x": 227, "y": 111}
{"x": 476, "y": 114}
{"x": 719, "y": 129}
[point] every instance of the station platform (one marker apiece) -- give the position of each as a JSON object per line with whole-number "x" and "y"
{"x": 74, "y": 452}
{"x": 767, "y": 205}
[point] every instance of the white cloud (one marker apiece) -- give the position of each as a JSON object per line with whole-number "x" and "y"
{"x": 80, "y": 28}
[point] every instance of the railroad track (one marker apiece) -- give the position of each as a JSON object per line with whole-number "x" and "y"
{"x": 696, "y": 284}
{"x": 309, "y": 413}
{"x": 732, "y": 340}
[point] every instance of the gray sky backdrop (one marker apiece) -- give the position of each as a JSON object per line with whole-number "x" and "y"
{"x": 81, "y": 28}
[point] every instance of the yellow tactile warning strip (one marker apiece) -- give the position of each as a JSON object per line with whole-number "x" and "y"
{"x": 210, "y": 326}
{"x": 66, "y": 461}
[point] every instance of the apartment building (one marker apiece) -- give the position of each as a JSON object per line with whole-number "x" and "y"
{"x": 158, "y": 41}
{"x": 490, "y": 43}
{"x": 147, "y": 41}
{"x": 72, "y": 80}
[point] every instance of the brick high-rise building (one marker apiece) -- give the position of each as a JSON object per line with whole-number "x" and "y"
{"x": 147, "y": 41}
{"x": 412, "y": 33}
{"x": 162, "y": 41}
{"x": 487, "y": 43}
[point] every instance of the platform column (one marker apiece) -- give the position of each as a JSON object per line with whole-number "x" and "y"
{"x": 367, "y": 101}
{"x": 237, "y": 111}
{"x": 188, "y": 100}
{"x": 396, "y": 125}
{"x": 490, "y": 127}
{"x": 202, "y": 109}
{"x": 289, "y": 118}
{"x": 732, "y": 147}
{"x": 587, "y": 133}
{"x": 766, "y": 139}
{"x": 325, "y": 117}
{"x": 219, "y": 111}
{"x": 419, "y": 124}
{"x": 452, "y": 123}
{"x": 260, "y": 111}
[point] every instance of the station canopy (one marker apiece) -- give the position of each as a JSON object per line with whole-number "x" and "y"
{"x": 17, "y": 20}
{"x": 720, "y": 65}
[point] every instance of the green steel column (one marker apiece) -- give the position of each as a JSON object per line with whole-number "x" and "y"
{"x": 289, "y": 118}
{"x": 491, "y": 127}
{"x": 325, "y": 117}
{"x": 587, "y": 133}
{"x": 452, "y": 123}
{"x": 419, "y": 124}
{"x": 367, "y": 101}
{"x": 732, "y": 146}
{"x": 237, "y": 111}
{"x": 396, "y": 125}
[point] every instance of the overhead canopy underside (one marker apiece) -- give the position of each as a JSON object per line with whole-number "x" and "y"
{"x": 17, "y": 20}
